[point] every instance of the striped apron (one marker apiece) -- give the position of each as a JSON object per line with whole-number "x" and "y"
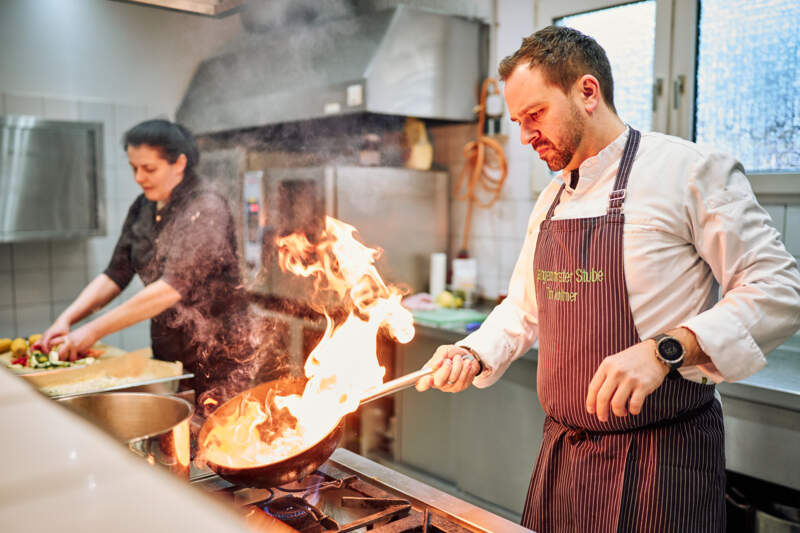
{"x": 661, "y": 470}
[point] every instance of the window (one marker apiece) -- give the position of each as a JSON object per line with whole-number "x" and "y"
{"x": 627, "y": 33}
{"x": 748, "y": 82}
{"x": 721, "y": 72}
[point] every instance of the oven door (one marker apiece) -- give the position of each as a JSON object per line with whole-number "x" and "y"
{"x": 294, "y": 200}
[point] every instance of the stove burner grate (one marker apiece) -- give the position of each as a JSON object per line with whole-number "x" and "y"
{"x": 299, "y": 514}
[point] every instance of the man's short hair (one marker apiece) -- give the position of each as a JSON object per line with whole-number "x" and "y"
{"x": 564, "y": 55}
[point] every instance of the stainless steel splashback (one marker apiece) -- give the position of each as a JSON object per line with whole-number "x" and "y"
{"x": 402, "y": 211}
{"x": 51, "y": 179}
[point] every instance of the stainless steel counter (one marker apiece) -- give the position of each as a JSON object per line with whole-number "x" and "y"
{"x": 497, "y": 431}
{"x": 778, "y": 384}
{"x": 470, "y": 516}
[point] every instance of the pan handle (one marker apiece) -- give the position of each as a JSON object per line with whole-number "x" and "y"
{"x": 401, "y": 383}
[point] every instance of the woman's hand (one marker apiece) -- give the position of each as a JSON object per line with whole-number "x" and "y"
{"x": 59, "y": 328}
{"x": 75, "y": 342}
{"x": 454, "y": 368}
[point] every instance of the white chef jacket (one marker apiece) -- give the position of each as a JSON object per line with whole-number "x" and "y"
{"x": 693, "y": 232}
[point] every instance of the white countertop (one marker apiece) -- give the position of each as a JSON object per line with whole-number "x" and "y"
{"x": 60, "y": 473}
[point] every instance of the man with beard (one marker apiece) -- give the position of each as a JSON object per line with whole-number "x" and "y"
{"x": 626, "y": 254}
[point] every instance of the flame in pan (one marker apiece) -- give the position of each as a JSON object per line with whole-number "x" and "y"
{"x": 340, "y": 369}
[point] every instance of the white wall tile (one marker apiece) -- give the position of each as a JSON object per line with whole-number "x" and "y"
{"x": 32, "y": 287}
{"x": 104, "y": 113}
{"x": 57, "y": 308}
{"x": 68, "y": 254}
{"x": 487, "y": 252}
{"x": 127, "y": 190}
{"x": 136, "y": 336}
{"x": 125, "y": 116}
{"x": 158, "y": 112}
{"x": 33, "y": 319}
{"x": 792, "y": 231}
{"x": 17, "y": 104}
{"x": 68, "y": 283}
{"x": 6, "y": 251}
{"x": 509, "y": 253}
{"x": 115, "y": 339}
{"x": 33, "y": 255}
{"x": 110, "y": 180}
{"x": 8, "y": 327}
{"x": 6, "y": 290}
{"x": 60, "y": 109}
{"x": 522, "y": 214}
{"x": 99, "y": 251}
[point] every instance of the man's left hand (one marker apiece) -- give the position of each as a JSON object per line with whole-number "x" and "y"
{"x": 624, "y": 380}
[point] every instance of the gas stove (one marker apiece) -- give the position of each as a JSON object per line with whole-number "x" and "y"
{"x": 350, "y": 493}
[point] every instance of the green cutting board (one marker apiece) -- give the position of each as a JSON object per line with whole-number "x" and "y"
{"x": 448, "y": 317}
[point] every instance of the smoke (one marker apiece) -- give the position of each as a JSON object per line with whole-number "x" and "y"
{"x": 231, "y": 348}
{"x": 211, "y": 329}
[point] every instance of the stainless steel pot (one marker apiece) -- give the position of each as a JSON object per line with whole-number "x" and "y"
{"x": 153, "y": 426}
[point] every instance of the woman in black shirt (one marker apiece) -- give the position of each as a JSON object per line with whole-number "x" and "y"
{"x": 179, "y": 238}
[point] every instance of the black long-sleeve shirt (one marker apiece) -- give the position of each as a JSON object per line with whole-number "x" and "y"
{"x": 191, "y": 245}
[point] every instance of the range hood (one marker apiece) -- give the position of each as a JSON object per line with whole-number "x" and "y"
{"x": 400, "y": 61}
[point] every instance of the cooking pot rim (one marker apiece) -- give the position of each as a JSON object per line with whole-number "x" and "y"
{"x": 132, "y": 440}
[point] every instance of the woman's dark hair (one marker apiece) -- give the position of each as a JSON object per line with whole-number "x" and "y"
{"x": 171, "y": 138}
{"x": 564, "y": 55}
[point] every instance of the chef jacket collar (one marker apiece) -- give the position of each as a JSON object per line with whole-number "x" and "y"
{"x": 593, "y": 168}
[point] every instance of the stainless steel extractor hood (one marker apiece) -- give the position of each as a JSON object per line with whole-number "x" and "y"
{"x": 400, "y": 61}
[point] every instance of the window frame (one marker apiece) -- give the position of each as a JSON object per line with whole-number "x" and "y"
{"x": 675, "y": 69}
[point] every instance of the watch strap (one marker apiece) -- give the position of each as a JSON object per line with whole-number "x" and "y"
{"x": 475, "y": 355}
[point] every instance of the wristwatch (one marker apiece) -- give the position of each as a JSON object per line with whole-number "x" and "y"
{"x": 669, "y": 350}
{"x": 475, "y": 356}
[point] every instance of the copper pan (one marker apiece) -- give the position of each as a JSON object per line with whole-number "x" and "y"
{"x": 304, "y": 462}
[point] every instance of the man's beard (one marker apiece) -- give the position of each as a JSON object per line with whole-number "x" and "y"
{"x": 572, "y": 139}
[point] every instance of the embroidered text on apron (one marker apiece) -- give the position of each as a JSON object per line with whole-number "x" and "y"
{"x": 661, "y": 470}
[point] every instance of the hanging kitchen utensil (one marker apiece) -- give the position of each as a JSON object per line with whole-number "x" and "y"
{"x": 475, "y": 175}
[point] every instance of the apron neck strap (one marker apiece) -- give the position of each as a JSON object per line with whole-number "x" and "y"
{"x": 555, "y": 202}
{"x": 617, "y": 196}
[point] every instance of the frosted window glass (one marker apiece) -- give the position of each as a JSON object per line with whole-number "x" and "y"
{"x": 627, "y": 33}
{"x": 748, "y": 81}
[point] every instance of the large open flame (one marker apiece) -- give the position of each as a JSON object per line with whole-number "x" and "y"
{"x": 340, "y": 369}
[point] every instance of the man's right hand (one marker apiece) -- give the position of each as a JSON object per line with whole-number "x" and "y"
{"x": 452, "y": 371}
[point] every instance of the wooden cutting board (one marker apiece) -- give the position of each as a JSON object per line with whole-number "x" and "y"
{"x": 127, "y": 364}
{"x": 126, "y": 371}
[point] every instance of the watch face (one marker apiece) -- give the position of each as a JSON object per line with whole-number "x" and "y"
{"x": 670, "y": 349}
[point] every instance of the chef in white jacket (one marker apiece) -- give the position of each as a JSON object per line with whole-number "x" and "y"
{"x": 649, "y": 273}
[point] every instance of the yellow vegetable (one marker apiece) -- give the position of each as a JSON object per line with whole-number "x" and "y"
{"x": 33, "y": 338}
{"x": 5, "y": 345}
{"x": 19, "y": 347}
{"x": 448, "y": 299}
